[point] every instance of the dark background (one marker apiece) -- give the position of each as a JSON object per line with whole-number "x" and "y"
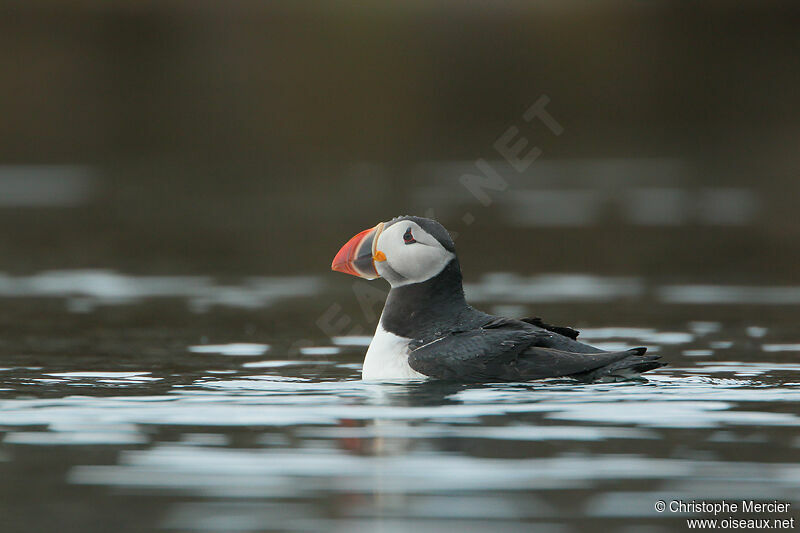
{"x": 253, "y": 137}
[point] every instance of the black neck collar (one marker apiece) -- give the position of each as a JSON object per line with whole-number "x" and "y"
{"x": 420, "y": 310}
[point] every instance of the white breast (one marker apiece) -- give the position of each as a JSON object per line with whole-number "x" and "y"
{"x": 387, "y": 358}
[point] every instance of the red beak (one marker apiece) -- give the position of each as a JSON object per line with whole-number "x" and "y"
{"x": 357, "y": 256}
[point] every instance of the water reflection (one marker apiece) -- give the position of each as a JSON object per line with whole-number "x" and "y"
{"x": 235, "y": 349}
{"x": 583, "y": 192}
{"x": 84, "y": 290}
{"x": 400, "y": 452}
{"x": 45, "y": 185}
{"x": 248, "y": 436}
{"x": 508, "y": 287}
{"x": 546, "y": 288}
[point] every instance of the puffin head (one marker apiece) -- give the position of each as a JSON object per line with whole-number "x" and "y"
{"x": 403, "y": 251}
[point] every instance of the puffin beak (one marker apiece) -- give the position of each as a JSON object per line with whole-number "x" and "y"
{"x": 359, "y": 255}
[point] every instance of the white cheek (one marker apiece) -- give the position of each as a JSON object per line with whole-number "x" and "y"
{"x": 418, "y": 264}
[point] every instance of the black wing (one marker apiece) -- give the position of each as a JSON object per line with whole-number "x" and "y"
{"x": 475, "y": 355}
{"x": 502, "y": 351}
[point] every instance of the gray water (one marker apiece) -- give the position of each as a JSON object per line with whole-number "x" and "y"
{"x": 136, "y": 403}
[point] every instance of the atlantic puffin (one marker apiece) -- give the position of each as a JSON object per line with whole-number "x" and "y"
{"x": 427, "y": 329}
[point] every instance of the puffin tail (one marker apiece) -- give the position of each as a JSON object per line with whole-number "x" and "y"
{"x": 629, "y": 367}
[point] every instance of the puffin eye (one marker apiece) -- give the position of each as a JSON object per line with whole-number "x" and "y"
{"x": 408, "y": 238}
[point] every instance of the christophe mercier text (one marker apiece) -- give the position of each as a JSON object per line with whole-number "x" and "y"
{"x": 744, "y": 506}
